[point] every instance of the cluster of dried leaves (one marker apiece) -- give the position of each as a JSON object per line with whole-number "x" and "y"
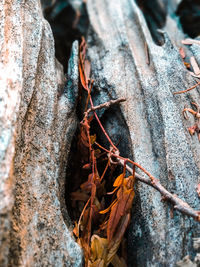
{"x": 100, "y": 231}
{"x": 105, "y": 215}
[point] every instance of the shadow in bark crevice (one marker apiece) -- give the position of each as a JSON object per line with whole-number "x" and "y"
{"x": 189, "y": 13}
{"x": 69, "y": 21}
{"x": 155, "y": 15}
{"x": 115, "y": 125}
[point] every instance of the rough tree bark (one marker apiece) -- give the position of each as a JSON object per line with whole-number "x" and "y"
{"x": 37, "y": 122}
{"x": 130, "y": 59}
{"x": 120, "y": 44}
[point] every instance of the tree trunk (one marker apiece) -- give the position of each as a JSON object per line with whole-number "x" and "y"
{"x": 129, "y": 58}
{"x": 37, "y": 124}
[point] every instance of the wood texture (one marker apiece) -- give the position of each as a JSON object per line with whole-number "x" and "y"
{"x": 119, "y": 41}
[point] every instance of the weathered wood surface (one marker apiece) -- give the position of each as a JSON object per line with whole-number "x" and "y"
{"x": 37, "y": 122}
{"x": 151, "y": 120}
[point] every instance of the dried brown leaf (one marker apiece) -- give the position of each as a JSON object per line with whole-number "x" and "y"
{"x": 76, "y": 230}
{"x": 99, "y": 248}
{"x": 114, "y": 244}
{"x": 119, "y": 180}
{"x": 82, "y": 78}
{"x": 97, "y": 263}
{"x": 117, "y": 261}
{"x": 119, "y": 209}
{"x": 108, "y": 209}
{"x": 93, "y": 139}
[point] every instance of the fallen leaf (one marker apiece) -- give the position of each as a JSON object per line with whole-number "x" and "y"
{"x": 76, "y": 230}
{"x": 98, "y": 263}
{"x": 114, "y": 244}
{"x": 116, "y": 261}
{"x": 86, "y": 186}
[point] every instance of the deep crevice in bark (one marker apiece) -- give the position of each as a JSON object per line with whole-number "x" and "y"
{"x": 115, "y": 125}
{"x": 189, "y": 13}
{"x": 155, "y": 15}
{"x": 67, "y": 23}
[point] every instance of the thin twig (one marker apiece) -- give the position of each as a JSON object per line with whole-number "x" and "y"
{"x": 102, "y": 128}
{"x": 195, "y": 113}
{"x": 105, "y": 105}
{"x": 187, "y": 90}
{"x": 116, "y": 155}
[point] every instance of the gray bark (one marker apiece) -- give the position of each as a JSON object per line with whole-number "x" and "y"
{"x": 37, "y": 122}
{"x": 150, "y": 121}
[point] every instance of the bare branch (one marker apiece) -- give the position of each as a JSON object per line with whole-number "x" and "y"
{"x": 177, "y": 203}
{"x": 105, "y": 105}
